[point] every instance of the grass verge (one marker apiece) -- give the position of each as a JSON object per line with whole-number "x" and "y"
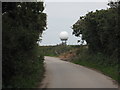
{"x": 104, "y": 64}
{"x": 107, "y": 70}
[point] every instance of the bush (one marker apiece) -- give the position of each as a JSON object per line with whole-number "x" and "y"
{"x": 23, "y": 24}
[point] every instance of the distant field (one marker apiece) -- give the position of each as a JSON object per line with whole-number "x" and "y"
{"x": 57, "y": 50}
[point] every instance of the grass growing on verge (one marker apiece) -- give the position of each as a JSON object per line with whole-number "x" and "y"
{"x": 107, "y": 70}
{"x": 98, "y": 61}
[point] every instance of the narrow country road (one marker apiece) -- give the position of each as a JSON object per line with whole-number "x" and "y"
{"x": 62, "y": 74}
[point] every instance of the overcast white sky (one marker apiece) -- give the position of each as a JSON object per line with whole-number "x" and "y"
{"x": 62, "y": 15}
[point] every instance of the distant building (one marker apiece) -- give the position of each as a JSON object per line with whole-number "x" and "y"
{"x": 64, "y": 37}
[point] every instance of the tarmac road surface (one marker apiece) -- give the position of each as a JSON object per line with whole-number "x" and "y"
{"x": 62, "y": 74}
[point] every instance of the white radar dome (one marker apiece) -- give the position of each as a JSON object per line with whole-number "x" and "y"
{"x": 63, "y": 35}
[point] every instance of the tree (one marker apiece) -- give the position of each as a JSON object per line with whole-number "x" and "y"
{"x": 100, "y": 30}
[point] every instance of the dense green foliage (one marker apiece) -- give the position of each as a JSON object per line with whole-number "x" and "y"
{"x": 101, "y": 31}
{"x": 23, "y": 24}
